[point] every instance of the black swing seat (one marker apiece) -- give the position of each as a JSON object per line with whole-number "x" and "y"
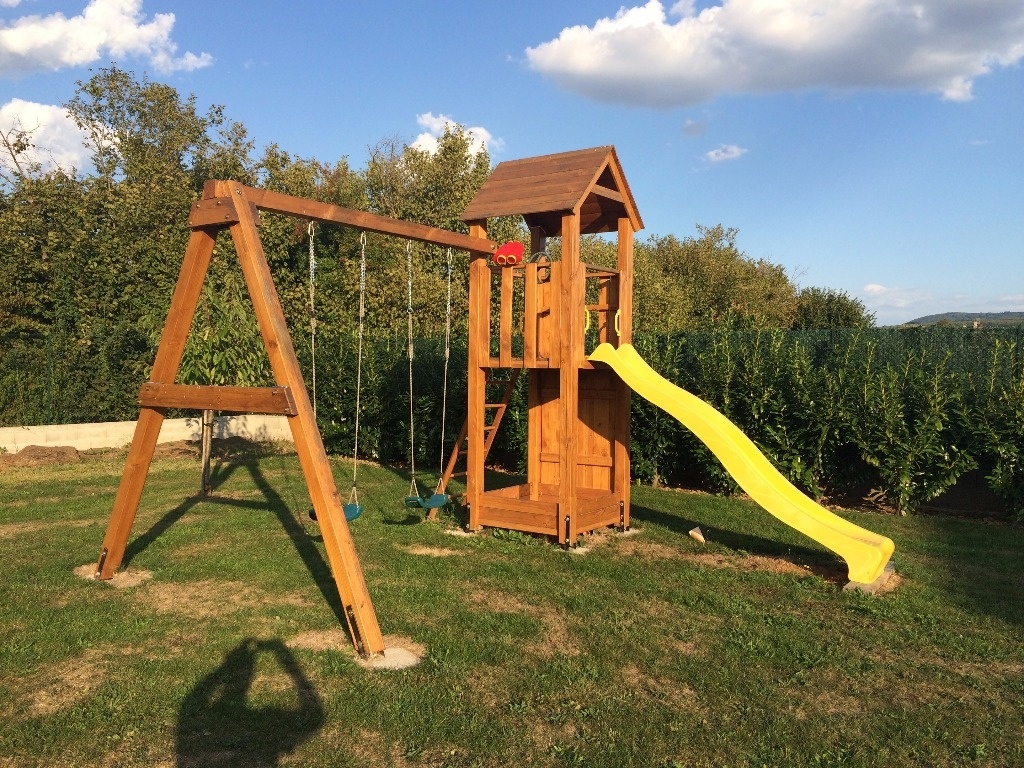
{"x": 427, "y": 502}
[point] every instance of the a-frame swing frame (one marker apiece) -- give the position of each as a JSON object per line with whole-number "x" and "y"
{"x": 233, "y": 206}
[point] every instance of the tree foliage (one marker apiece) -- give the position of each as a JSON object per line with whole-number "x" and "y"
{"x": 91, "y": 255}
{"x": 699, "y": 282}
{"x": 830, "y": 308}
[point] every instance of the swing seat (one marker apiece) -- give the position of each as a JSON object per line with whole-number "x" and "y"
{"x": 427, "y": 502}
{"x": 352, "y": 511}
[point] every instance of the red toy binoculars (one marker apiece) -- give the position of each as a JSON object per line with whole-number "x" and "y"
{"x": 509, "y": 254}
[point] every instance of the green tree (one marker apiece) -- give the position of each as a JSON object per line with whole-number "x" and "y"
{"x": 431, "y": 188}
{"x": 830, "y": 308}
{"x": 697, "y": 282}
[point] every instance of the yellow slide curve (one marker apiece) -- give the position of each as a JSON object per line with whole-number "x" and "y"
{"x": 866, "y": 553}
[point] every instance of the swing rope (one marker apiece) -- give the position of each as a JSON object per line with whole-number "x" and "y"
{"x": 353, "y": 496}
{"x": 414, "y": 489}
{"x": 312, "y": 309}
{"x": 414, "y": 499}
{"x": 447, "y": 355}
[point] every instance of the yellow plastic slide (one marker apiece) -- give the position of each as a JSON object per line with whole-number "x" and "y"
{"x": 866, "y": 553}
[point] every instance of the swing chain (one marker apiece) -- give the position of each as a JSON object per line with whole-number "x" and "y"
{"x": 353, "y": 494}
{"x": 413, "y": 486}
{"x": 447, "y": 355}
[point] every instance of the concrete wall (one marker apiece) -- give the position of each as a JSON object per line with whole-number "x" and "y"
{"x": 115, "y": 434}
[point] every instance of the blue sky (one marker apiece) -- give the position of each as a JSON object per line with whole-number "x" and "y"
{"x": 873, "y": 146}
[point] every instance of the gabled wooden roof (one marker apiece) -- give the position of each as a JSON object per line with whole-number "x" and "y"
{"x": 587, "y": 182}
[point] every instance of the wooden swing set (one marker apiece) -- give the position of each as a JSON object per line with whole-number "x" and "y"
{"x": 578, "y": 463}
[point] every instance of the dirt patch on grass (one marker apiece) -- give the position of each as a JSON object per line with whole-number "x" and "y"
{"x": 220, "y": 448}
{"x": 648, "y": 550}
{"x": 66, "y": 684}
{"x": 558, "y": 638}
{"x": 894, "y": 582}
{"x": 601, "y": 537}
{"x": 676, "y": 695}
{"x": 210, "y": 598}
{"x": 41, "y": 456}
{"x": 10, "y": 530}
{"x": 419, "y": 549}
{"x": 834, "y": 574}
{"x": 179, "y": 449}
{"x": 337, "y": 639}
{"x": 125, "y": 579}
{"x": 373, "y": 750}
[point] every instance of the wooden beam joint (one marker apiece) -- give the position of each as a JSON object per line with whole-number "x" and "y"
{"x": 212, "y": 212}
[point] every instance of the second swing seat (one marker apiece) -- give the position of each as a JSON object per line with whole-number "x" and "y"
{"x": 427, "y": 502}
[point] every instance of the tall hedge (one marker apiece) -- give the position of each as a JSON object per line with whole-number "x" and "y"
{"x": 903, "y": 413}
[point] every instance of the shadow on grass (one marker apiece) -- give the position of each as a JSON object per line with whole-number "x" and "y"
{"x": 976, "y": 563}
{"x": 142, "y": 542}
{"x": 745, "y": 542}
{"x": 305, "y": 545}
{"x": 217, "y": 725}
{"x": 825, "y": 564}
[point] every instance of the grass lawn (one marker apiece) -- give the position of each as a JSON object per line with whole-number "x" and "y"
{"x": 649, "y": 650}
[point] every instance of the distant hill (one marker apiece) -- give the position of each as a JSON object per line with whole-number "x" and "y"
{"x": 968, "y": 318}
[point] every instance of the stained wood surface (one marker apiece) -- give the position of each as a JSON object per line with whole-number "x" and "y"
{"x": 589, "y": 179}
{"x": 273, "y": 400}
{"x": 341, "y": 552}
{"x": 147, "y": 429}
{"x": 219, "y": 212}
{"x": 325, "y": 212}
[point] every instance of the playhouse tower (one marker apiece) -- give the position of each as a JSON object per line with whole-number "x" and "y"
{"x": 543, "y": 317}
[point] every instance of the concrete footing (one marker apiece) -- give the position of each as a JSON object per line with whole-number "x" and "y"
{"x": 875, "y": 585}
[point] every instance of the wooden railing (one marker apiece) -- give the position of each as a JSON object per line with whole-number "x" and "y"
{"x": 526, "y": 303}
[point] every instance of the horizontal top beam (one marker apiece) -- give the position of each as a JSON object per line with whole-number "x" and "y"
{"x": 278, "y": 202}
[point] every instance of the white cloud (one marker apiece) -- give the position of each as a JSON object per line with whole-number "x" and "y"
{"x": 695, "y": 127}
{"x": 114, "y": 28}
{"x": 882, "y": 297}
{"x": 648, "y": 57}
{"x": 57, "y": 140}
{"x": 724, "y": 153}
{"x": 435, "y": 125}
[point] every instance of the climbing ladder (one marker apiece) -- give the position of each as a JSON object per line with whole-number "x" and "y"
{"x": 496, "y": 409}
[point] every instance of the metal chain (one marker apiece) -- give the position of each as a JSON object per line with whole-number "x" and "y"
{"x": 354, "y": 494}
{"x": 413, "y": 486}
{"x": 447, "y": 355}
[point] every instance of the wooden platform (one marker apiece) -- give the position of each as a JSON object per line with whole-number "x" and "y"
{"x": 512, "y": 508}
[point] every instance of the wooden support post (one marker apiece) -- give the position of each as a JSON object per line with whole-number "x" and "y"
{"x": 625, "y": 265}
{"x": 341, "y": 552}
{"x": 570, "y": 343}
{"x": 147, "y": 430}
{"x": 505, "y": 318}
{"x": 622, "y": 405}
{"x": 205, "y": 487}
{"x": 534, "y": 424}
{"x": 479, "y": 355}
{"x": 530, "y": 315}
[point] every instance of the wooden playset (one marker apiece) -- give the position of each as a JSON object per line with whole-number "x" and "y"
{"x": 578, "y": 446}
{"x": 578, "y": 464}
